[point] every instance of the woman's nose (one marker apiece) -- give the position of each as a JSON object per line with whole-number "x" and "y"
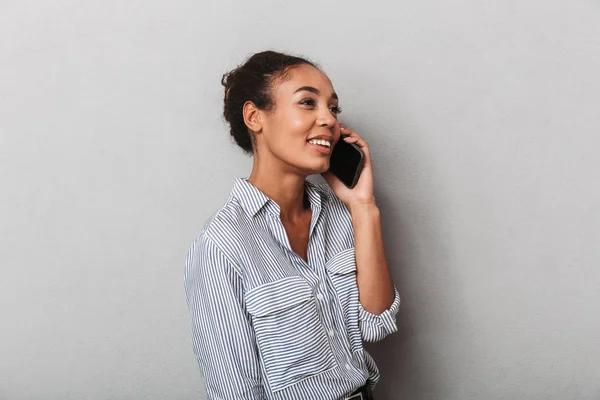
{"x": 326, "y": 118}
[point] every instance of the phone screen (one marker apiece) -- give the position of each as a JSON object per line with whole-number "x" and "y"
{"x": 346, "y": 162}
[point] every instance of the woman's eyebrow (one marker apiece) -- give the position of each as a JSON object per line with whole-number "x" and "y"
{"x": 315, "y": 91}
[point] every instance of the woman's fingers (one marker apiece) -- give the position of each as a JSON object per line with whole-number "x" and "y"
{"x": 353, "y": 137}
{"x": 348, "y": 133}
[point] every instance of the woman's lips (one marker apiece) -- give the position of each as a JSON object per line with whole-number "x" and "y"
{"x": 320, "y": 149}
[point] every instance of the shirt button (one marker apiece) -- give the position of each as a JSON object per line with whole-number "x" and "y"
{"x": 348, "y": 367}
{"x": 319, "y": 296}
{"x": 331, "y": 332}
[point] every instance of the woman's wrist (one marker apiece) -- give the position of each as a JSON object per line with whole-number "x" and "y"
{"x": 361, "y": 207}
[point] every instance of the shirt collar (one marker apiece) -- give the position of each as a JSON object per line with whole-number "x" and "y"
{"x": 253, "y": 200}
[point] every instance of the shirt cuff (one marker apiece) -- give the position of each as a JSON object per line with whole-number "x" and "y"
{"x": 386, "y": 320}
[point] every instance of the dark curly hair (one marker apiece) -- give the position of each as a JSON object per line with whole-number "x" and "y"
{"x": 253, "y": 81}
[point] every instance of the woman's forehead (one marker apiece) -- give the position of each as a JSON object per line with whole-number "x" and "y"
{"x": 305, "y": 76}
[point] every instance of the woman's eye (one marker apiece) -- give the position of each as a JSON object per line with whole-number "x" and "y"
{"x": 308, "y": 102}
{"x": 336, "y": 109}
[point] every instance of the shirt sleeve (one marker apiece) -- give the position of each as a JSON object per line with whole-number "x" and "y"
{"x": 376, "y": 327}
{"x": 222, "y": 335}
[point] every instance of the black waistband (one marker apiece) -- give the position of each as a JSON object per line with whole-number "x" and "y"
{"x": 364, "y": 390}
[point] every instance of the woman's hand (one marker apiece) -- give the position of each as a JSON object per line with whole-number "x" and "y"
{"x": 362, "y": 193}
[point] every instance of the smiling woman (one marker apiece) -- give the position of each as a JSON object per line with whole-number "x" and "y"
{"x": 266, "y": 107}
{"x": 288, "y": 278}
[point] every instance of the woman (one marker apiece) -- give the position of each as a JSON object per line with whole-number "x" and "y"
{"x": 288, "y": 278}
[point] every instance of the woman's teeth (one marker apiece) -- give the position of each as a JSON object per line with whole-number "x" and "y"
{"x": 320, "y": 142}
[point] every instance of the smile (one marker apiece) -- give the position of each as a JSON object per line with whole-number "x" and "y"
{"x": 319, "y": 142}
{"x": 321, "y": 146}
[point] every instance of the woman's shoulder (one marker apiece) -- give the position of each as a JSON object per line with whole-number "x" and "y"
{"x": 225, "y": 221}
{"x": 222, "y": 231}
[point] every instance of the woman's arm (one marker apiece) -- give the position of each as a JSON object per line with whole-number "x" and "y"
{"x": 375, "y": 288}
{"x": 222, "y": 335}
{"x": 378, "y": 298}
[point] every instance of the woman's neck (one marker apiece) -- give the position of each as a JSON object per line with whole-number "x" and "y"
{"x": 285, "y": 189}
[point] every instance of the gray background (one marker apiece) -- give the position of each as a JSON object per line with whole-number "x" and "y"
{"x": 483, "y": 120}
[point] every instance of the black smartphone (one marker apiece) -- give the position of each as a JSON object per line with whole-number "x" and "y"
{"x": 346, "y": 162}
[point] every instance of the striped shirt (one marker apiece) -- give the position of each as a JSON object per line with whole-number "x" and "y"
{"x": 265, "y": 323}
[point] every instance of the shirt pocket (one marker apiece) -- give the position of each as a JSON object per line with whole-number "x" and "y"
{"x": 342, "y": 272}
{"x": 341, "y": 268}
{"x": 291, "y": 339}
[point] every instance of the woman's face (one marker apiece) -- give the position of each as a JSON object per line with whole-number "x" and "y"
{"x": 306, "y": 108}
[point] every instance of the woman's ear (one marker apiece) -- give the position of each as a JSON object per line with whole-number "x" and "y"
{"x": 252, "y": 117}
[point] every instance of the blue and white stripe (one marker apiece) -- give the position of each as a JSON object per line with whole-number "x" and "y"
{"x": 265, "y": 323}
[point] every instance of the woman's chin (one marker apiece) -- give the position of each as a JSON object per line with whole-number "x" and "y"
{"x": 321, "y": 167}
{"x": 311, "y": 165}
